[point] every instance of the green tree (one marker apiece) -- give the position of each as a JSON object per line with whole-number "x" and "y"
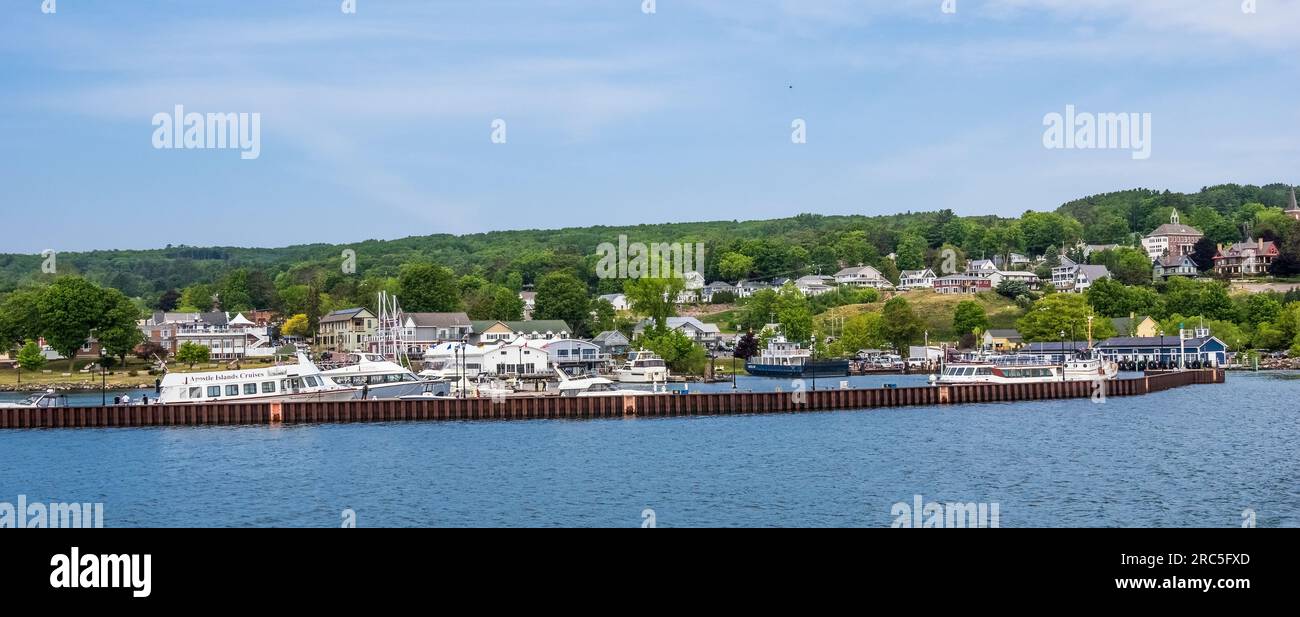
{"x": 116, "y": 330}
{"x": 561, "y": 295}
{"x": 793, "y": 314}
{"x": 1057, "y": 313}
{"x": 969, "y": 318}
{"x": 428, "y": 288}
{"x": 862, "y": 331}
{"x": 30, "y": 357}
{"x": 679, "y": 352}
{"x": 655, "y": 298}
{"x": 759, "y": 310}
{"x": 899, "y": 325}
{"x": 911, "y": 252}
{"x": 20, "y": 317}
{"x": 70, "y": 310}
{"x": 192, "y": 353}
{"x": 735, "y": 266}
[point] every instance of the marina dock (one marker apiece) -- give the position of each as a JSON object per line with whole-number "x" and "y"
{"x": 555, "y": 407}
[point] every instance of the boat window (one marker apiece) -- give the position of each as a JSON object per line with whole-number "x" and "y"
{"x": 311, "y": 381}
{"x": 984, "y": 371}
{"x": 214, "y": 391}
{"x": 393, "y": 378}
{"x": 232, "y": 389}
{"x": 196, "y": 393}
{"x": 250, "y": 388}
{"x": 268, "y": 387}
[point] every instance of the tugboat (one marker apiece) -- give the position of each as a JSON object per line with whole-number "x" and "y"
{"x": 785, "y": 359}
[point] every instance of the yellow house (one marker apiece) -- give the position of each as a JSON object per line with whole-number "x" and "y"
{"x": 1002, "y": 340}
{"x": 1136, "y": 326}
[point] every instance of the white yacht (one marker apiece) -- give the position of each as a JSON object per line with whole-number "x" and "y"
{"x": 480, "y": 387}
{"x": 1025, "y": 369}
{"x": 41, "y": 400}
{"x": 642, "y": 367}
{"x": 294, "y": 382}
{"x": 452, "y": 360}
{"x": 375, "y": 377}
{"x": 593, "y": 386}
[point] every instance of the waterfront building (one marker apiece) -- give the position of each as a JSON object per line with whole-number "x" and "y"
{"x": 487, "y": 332}
{"x": 421, "y": 331}
{"x": 346, "y": 330}
{"x": 861, "y": 276}
{"x": 612, "y": 342}
{"x": 576, "y": 356}
{"x": 1002, "y": 340}
{"x": 1203, "y": 349}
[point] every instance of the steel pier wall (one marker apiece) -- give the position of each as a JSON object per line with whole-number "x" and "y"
{"x": 554, "y": 407}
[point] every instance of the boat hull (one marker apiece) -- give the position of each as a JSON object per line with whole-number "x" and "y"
{"x": 820, "y": 368}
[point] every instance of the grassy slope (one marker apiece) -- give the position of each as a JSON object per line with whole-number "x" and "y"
{"x": 936, "y": 311}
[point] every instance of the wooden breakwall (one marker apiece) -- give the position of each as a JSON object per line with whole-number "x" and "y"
{"x": 555, "y": 407}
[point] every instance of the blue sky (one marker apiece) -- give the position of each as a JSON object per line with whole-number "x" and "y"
{"x": 377, "y": 124}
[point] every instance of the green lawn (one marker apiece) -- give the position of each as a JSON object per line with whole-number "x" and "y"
{"x": 936, "y": 311}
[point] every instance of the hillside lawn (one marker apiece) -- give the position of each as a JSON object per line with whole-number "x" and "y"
{"x": 936, "y": 311}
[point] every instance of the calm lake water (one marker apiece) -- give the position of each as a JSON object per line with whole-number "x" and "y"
{"x": 1195, "y": 456}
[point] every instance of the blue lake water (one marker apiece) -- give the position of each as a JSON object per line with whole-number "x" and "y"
{"x": 1196, "y": 456}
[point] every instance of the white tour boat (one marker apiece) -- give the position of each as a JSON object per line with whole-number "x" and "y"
{"x": 642, "y": 367}
{"x": 1025, "y": 369}
{"x": 294, "y": 382}
{"x": 375, "y": 377}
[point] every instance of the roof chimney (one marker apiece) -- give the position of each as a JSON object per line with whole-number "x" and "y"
{"x": 1261, "y": 244}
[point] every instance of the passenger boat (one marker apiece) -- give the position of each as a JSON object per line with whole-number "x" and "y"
{"x": 594, "y": 386}
{"x": 642, "y": 367}
{"x": 294, "y": 382}
{"x": 1025, "y": 369}
{"x": 375, "y": 377}
{"x": 782, "y": 358}
{"x": 41, "y": 400}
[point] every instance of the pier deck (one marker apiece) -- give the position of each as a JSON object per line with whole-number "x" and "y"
{"x": 554, "y": 407}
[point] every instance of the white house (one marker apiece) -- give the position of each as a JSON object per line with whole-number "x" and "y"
{"x": 916, "y": 279}
{"x": 715, "y": 287}
{"x": 862, "y": 276}
{"x": 694, "y": 285}
{"x": 694, "y": 329}
{"x": 813, "y": 285}
{"x": 618, "y": 301}
{"x": 746, "y": 289}
{"x": 1024, "y": 276}
{"x": 1071, "y": 277}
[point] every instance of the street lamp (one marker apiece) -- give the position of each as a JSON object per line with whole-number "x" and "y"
{"x": 813, "y": 358}
{"x": 103, "y": 380}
